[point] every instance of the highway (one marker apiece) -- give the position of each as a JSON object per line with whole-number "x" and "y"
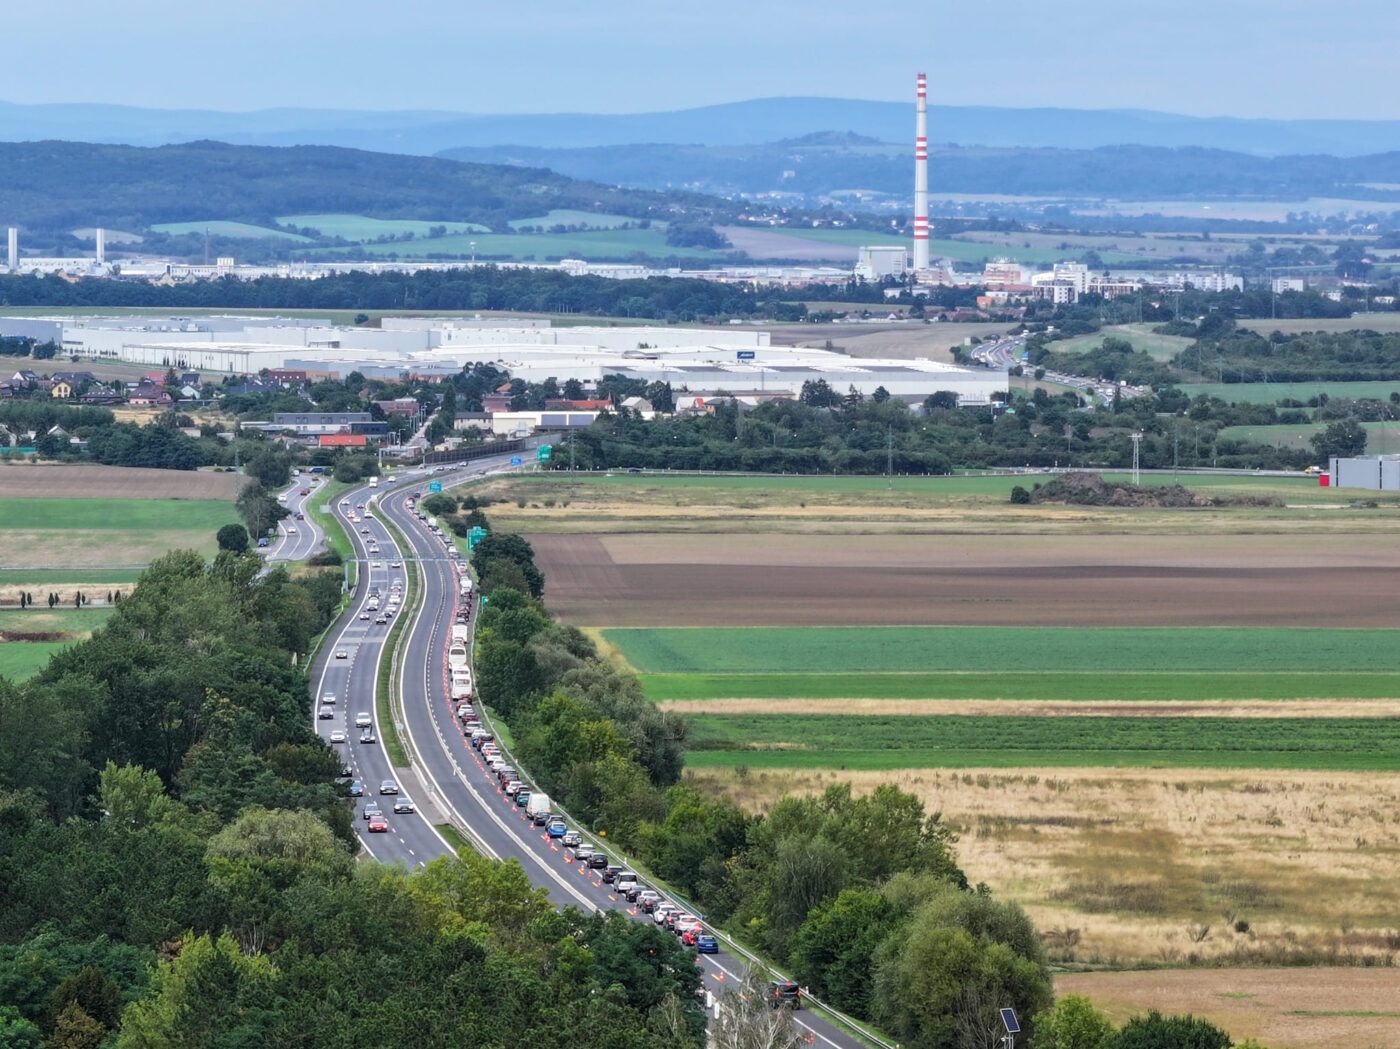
{"x": 296, "y": 545}
{"x": 456, "y": 786}
{"x": 354, "y": 682}
{"x": 1006, "y": 353}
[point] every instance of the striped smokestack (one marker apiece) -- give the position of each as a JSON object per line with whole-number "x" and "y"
{"x": 921, "y": 179}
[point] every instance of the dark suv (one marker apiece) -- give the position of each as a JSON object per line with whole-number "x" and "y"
{"x": 784, "y": 994}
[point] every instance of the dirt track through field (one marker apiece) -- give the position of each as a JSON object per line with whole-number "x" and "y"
{"x": 56, "y": 480}
{"x": 977, "y": 580}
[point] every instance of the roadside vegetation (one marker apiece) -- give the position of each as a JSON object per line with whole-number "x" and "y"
{"x": 179, "y": 869}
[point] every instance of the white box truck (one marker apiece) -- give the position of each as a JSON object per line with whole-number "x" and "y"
{"x": 538, "y": 805}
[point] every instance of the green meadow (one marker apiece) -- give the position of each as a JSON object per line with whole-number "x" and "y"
{"x": 787, "y": 650}
{"x": 767, "y": 740}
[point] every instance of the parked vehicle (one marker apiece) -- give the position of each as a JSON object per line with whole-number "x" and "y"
{"x": 538, "y": 805}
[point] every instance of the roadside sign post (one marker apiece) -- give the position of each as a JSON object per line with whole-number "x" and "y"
{"x": 476, "y": 535}
{"x": 515, "y": 460}
{"x": 434, "y": 486}
{"x": 544, "y": 453}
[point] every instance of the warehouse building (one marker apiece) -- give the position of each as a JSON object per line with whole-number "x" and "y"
{"x": 1376, "y": 473}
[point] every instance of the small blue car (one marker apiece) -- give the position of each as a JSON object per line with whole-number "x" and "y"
{"x": 557, "y": 828}
{"x": 356, "y": 789}
{"x": 706, "y": 944}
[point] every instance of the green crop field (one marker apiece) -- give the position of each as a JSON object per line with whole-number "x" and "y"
{"x": 116, "y": 514}
{"x": 359, "y": 227}
{"x": 221, "y": 228}
{"x": 1067, "y": 685}
{"x": 785, "y": 650}
{"x": 594, "y": 245}
{"x": 567, "y": 217}
{"x": 1273, "y": 392}
{"x": 926, "y": 742}
{"x": 22, "y": 659}
{"x": 11, "y": 575}
{"x": 1381, "y": 438}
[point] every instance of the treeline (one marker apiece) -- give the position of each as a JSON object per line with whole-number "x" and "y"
{"x": 1246, "y": 356}
{"x": 862, "y": 897}
{"x": 179, "y": 870}
{"x": 827, "y": 433}
{"x": 672, "y": 299}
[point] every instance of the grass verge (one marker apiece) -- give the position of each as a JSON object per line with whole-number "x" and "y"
{"x": 454, "y": 837}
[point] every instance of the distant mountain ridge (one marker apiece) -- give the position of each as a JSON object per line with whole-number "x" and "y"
{"x": 426, "y": 132}
{"x": 817, "y": 166}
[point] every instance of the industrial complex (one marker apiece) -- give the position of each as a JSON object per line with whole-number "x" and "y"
{"x": 698, "y": 360}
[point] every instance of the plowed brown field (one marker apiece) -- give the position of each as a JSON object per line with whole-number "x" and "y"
{"x": 58, "y": 480}
{"x": 655, "y": 579}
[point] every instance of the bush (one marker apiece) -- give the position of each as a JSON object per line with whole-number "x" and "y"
{"x": 1020, "y": 496}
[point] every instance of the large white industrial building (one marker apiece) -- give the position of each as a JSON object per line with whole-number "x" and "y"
{"x": 696, "y": 359}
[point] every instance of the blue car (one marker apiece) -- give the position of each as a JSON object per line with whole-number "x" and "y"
{"x": 557, "y": 829}
{"x": 706, "y": 944}
{"x": 356, "y": 789}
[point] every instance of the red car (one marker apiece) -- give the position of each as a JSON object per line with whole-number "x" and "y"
{"x": 378, "y": 825}
{"x": 692, "y": 934}
{"x": 306, "y": 491}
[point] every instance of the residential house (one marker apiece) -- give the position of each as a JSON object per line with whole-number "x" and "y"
{"x": 62, "y": 390}
{"x": 24, "y": 378}
{"x": 343, "y": 440}
{"x": 145, "y": 396}
{"x": 407, "y": 406}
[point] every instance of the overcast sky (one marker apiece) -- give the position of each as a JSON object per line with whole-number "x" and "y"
{"x": 1247, "y": 58}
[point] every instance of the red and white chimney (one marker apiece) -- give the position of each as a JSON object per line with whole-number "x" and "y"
{"x": 921, "y": 179}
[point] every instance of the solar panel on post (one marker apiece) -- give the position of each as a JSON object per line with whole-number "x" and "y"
{"x": 1008, "y": 1020}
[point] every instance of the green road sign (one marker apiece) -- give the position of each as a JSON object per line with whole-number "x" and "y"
{"x": 544, "y": 453}
{"x": 434, "y": 486}
{"x": 475, "y": 536}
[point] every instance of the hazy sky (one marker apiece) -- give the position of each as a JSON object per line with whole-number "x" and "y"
{"x": 1271, "y": 58}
